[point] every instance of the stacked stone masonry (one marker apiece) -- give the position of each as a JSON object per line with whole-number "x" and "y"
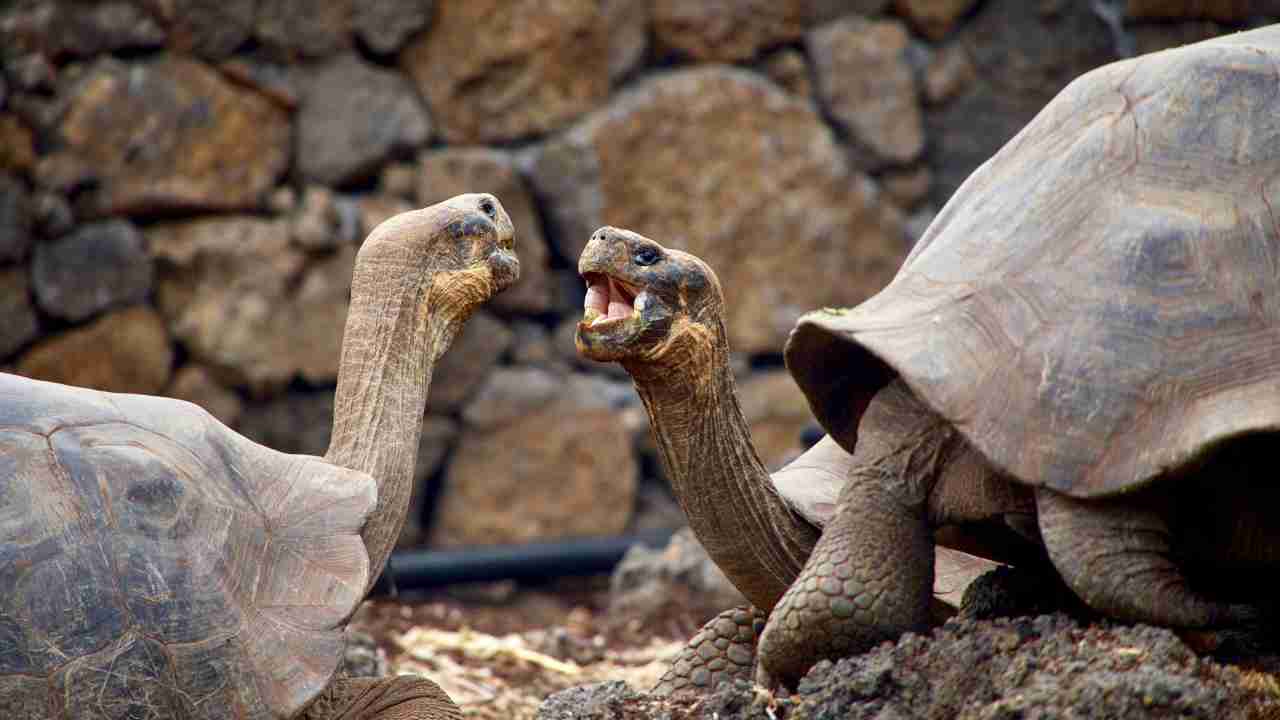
{"x": 184, "y": 185}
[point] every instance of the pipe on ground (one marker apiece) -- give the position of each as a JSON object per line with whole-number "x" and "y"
{"x": 423, "y": 569}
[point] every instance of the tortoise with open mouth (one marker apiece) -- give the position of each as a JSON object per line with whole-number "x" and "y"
{"x": 659, "y": 312}
{"x": 1081, "y": 355}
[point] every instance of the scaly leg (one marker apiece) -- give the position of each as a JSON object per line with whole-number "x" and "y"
{"x": 869, "y": 580}
{"x": 870, "y": 576}
{"x": 394, "y": 698}
{"x": 724, "y": 649}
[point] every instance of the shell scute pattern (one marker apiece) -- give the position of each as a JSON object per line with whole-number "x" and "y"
{"x": 164, "y": 566}
{"x": 1108, "y": 278}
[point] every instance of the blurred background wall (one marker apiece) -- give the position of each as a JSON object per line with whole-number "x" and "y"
{"x": 184, "y": 185}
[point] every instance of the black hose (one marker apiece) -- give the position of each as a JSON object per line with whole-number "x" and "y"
{"x": 422, "y": 569}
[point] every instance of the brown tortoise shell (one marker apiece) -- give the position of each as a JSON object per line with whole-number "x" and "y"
{"x": 156, "y": 564}
{"x": 1099, "y": 303}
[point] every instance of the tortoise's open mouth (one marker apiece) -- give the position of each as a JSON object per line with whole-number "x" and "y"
{"x": 609, "y": 301}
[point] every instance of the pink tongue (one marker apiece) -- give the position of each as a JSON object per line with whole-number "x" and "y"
{"x": 597, "y": 298}
{"x": 619, "y": 309}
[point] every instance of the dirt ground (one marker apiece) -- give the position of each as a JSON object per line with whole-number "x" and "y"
{"x": 501, "y": 652}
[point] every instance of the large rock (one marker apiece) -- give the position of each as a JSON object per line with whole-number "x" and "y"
{"x": 212, "y": 29}
{"x": 99, "y": 265}
{"x": 494, "y": 70}
{"x": 477, "y": 349}
{"x": 869, "y": 88}
{"x": 384, "y": 25}
{"x": 78, "y": 29}
{"x": 125, "y": 351}
{"x": 1015, "y": 72}
{"x": 731, "y": 30}
{"x": 243, "y": 300}
{"x": 562, "y": 471}
{"x": 20, "y": 324}
{"x": 725, "y": 164}
{"x": 353, "y": 115}
{"x": 293, "y": 28}
{"x": 510, "y": 393}
{"x": 15, "y": 219}
{"x": 650, "y": 584}
{"x": 448, "y": 172}
{"x": 172, "y": 134}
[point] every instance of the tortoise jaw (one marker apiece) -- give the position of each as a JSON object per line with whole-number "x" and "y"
{"x": 610, "y": 299}
{"x": 613, "y": 318}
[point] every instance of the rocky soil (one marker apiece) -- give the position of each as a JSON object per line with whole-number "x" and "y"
{"x": 589, "y": 649}
{"x": 563, "y": 654}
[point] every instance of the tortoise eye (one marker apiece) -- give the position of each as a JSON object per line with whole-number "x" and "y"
{"x": 487, "y": 207}
{"x": 645, "y": 255}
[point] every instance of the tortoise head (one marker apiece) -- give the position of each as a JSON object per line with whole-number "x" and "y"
{"x": 645, "y": 303}
{"x": 466, "y": 244}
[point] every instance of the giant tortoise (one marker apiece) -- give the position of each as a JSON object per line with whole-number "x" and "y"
{"x": 156, "y": 564}
{"x": 1078, "y": 362}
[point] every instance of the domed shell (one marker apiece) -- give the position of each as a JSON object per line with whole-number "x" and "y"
{"x": 1099, "y": 303}
{"x": 156, "y": 564}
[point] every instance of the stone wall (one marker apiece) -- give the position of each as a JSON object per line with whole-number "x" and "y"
{"x": 184, "y": 183}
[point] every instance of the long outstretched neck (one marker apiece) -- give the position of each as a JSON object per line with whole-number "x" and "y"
{"x": 397, "y": 327}
{"x": 722, "y": 485}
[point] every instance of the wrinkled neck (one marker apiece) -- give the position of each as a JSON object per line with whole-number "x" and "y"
{"x": 725, "y": 490}
{"x": 397, "y": 327}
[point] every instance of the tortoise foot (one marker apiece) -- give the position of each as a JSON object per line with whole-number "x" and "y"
{"x": 724, "y": 649}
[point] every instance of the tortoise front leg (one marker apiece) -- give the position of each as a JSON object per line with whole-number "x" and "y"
{"x": 403, "y": 697}
{"x": 724, "y": 649}
{"x": 869, "y": 579}
{"x": 870, "y": 576}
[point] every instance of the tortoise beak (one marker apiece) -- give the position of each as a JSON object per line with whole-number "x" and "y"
{"x": 604, "y": 252}
{"x": 504, "y": 267}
